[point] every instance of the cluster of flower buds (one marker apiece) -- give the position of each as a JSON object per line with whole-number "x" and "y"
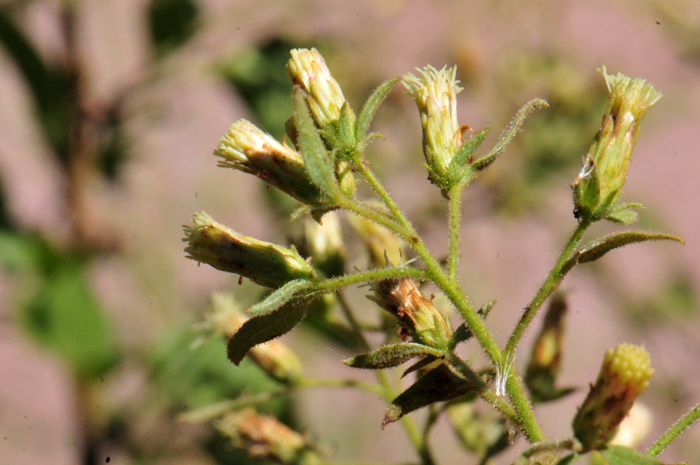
{"x": 273, "y": 357}
{"x": 265, "y": 437}
{"x": 600, "y": 182}
{"x": 417, "y": 315}
{"x": 623, "y": 377}
{"x": 264, "y": 263}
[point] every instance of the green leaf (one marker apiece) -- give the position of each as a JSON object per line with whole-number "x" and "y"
{"x": 263, "y": 328}
{"x": 596, "y": 249}
{"x": 318, "y": 161}
{"x": 508, "y": 134}
{"x": 279, "y": 297}
{"x": 438, "y": 385}
{"x": 617, "y": 455}
{"x": 370, "y": 109}
{"x": 172, "y": 23}
{"x": 391, "y": 356}
{"x": 463, "y": 333}
{"x": 65, "y": 317}
{"x": 422, "y": 363}
{"x": 346, "y": 127}
{"x": 460, "y": 162}
{"x": 624, "y": 214}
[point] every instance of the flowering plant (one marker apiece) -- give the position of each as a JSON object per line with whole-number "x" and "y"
{"x": 320, "y": 170}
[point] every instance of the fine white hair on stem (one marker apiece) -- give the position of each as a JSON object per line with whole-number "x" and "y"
{"x": 503, "y": 369}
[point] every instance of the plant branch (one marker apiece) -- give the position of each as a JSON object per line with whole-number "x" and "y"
{"x": 674, "y": 431}
{"x": 457, "y": 296}
{"x": 550, "y": 284}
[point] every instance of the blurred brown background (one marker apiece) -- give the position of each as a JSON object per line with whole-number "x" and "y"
{"x": 109, "y": 113}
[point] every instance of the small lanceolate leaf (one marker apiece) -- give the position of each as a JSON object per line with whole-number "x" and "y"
{"x": 263, "y": 328}
{"x": 509, "y": 133}
{"x": 617, "y": 455}
{"x": 569, "y": 459}
{"x": 371, "y": 107}
{"x": 279, "y": 297}
{"x": 391, "y": 356}
{"x": 624, "y": 214}
{"x": 438, "y": 385}
{"x": 346, "y": 127}
{"x": 418, "y": 365}
{"x": 458, "y": 165}
{"x": 318, "y": 161}
{"x": 463, "y": 333}
{"x": 596, "y": 249}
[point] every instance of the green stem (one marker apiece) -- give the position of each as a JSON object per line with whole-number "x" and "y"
{"x": 455, "y": 229}
{"x": 674, "y": 431}
{"x": 524, "y": 413}
{"x": 485, "y": 392}
{"x": 454, "y": 292}
{"x": 215, "y": 410}
{"x": 555, "y": 445}
{"x": 336, "y": 284}
{"x": 550, "y": 284}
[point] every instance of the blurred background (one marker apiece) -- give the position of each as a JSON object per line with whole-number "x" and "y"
{"x": 110, "y": 111}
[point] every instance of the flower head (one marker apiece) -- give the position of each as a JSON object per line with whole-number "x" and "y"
{"x": 247, "y": 148}
{"x": 264, "y": 436}
{"x": 264, "y": 263}
{"x": 416, "y": 313}
{"x": 435, "y": 93}
{"x": 604, "y": 173}
{"x": 308, "y": 69}
{"x": 623, "y": 377}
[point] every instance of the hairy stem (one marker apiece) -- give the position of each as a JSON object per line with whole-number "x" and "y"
{"x": 550, "y": 284}
{"x": 455, "y": 229}
{"x": 674, "y": 431}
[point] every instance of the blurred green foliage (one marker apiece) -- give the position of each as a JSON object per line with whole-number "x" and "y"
{"x": 172, "y": 23}
{"x": 57, "y": 307}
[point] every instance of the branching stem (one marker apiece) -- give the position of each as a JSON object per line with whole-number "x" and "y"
{"x": 457, "y": 296}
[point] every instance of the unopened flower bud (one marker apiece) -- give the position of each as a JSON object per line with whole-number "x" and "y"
{"x": 623, "y": 377}
{"x": 264, "y": 436}
{"x": 545, "y": 361}
{"x": 604, "y": 172}
{"x": 435, "y": 93}
{"x": 308, "y": 69}
{"x": 383, "y": 247}
{"x": 264, "y": 263}
{"x": 323, "y": 243}
{"x": 416, "y": 313}
{"x": 249, "y": 149}
{"x": 274, "y": 357}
